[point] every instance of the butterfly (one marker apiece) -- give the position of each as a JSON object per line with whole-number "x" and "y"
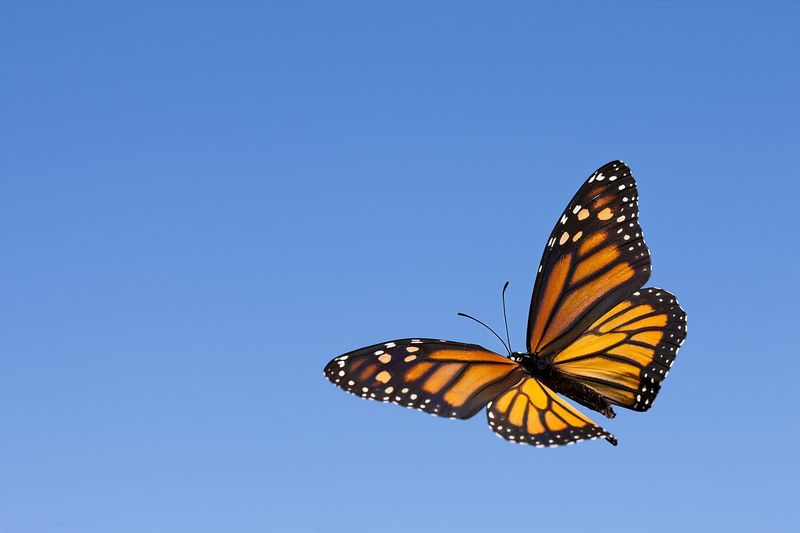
{"x": 594, "y": 335}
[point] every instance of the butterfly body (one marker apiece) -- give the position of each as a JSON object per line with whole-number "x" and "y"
{"x": 594, "y": 335}
{"x": 542, "y": 369}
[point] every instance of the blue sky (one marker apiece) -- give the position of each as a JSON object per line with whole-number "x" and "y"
{"x": 202, "y": 204}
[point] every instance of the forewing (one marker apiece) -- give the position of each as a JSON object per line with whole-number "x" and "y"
{"x": 626, "y": 353}
{"x": 531, "y": 413}
{"x": 595, "y": 257}
{"x": 443, "y": 378}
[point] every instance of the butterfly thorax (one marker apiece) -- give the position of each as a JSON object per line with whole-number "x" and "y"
{"x": 532, "y": 363}
{"x": 542, "y": 369}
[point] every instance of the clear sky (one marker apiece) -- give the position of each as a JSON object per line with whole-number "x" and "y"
{"x": 201, "y": 204}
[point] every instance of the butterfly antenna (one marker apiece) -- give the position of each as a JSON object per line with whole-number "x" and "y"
{"x": 505, "y": 317}
{"x": 487, "y": 327}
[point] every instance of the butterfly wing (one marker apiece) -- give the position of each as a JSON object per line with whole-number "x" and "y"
{"x": 595, "y": 257}
{"x": 626, "y": 353}
{"x": 531, "y": 413}
{"x": 442, "y": 378}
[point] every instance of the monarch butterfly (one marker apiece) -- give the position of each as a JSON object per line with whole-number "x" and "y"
{"x": 594, "y": 335}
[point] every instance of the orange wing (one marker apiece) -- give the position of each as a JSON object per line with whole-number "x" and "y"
{"x": 626, "y": 353}
{"x": 531, "y": 413}
{"x": 595, "y": 257}
{"x": 440, "y": 377}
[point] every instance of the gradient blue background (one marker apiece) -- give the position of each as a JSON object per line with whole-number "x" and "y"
{"x": 201, "y": 204}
